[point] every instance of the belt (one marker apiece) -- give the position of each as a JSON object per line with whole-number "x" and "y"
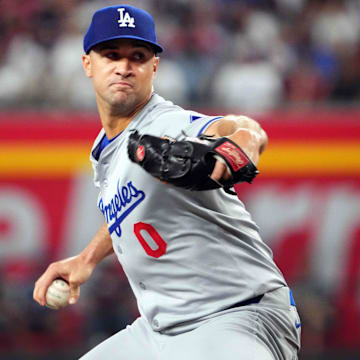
{"x": 254, "y": 300}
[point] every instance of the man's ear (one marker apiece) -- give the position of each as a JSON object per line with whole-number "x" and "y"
{"x": 156, "y": 64}
{"x": 86, "y": 65}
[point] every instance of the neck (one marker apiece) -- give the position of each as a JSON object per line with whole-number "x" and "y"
{"x": 114, "y": 120}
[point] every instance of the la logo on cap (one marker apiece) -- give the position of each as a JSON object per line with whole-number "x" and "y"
{"x": 125, "y": 19}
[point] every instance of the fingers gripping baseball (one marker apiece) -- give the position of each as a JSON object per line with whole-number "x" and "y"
{"x": 70, "y": 270}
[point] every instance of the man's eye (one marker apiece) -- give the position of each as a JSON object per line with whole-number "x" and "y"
{"x": 112, "y": 55}
{"x": 138, "y": 56}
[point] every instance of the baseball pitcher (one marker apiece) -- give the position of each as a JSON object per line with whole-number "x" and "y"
{"x": 206, "y": 285}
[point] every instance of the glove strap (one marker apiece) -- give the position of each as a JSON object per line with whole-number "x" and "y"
{"x": 240, "y": 165}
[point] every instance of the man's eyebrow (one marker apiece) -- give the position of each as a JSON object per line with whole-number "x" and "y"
{"x": 142, "y": 45}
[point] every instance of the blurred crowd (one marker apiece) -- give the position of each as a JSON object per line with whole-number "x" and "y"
{"x": 247, "y": 54}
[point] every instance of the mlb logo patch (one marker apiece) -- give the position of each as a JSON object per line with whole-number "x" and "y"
{"x": 125, "y": 19}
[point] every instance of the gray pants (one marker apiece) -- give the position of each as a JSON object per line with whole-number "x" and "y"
{"x": 269, "y": 330}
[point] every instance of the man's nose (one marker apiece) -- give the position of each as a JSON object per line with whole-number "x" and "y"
{"x": 123, "y": 67}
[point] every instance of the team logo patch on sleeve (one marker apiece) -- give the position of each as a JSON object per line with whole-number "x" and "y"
{"x": 194, "y": 118}
{"x": 233, "y": 155}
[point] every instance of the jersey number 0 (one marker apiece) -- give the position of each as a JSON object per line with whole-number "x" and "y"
{"x": 156, "y": 253}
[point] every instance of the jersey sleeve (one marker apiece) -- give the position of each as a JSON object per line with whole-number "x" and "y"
{"x": 199, "y": 124}
{"x": 163, "y": 118}
{"x": 179, "y": 124}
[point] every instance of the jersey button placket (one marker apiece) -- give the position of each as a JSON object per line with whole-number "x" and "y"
{"x": 119, "y": 249}
{"x": 142, "y": 285}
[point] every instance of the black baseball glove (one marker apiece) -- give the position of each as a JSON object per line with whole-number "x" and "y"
{"x": 189, "y": 163}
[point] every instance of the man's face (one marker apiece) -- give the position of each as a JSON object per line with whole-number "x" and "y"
{"x": 122, "y": 71}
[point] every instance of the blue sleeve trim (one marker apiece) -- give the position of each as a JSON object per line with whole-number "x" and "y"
{"x": 207, "y": 124}
{"x": 292, "y": 300}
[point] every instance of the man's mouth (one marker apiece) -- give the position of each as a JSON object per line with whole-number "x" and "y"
{"x": 121, "y": 84}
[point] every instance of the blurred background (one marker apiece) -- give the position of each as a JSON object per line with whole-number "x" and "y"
{"x": 294, "y": 65}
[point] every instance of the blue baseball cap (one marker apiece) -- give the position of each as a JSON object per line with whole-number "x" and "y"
{"x": 121, "y": 22}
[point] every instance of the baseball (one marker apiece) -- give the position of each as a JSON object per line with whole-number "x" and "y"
{"x": 58, "y": 294}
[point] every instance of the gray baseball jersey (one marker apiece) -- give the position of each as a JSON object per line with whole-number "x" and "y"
{"x": 186, "y": 254}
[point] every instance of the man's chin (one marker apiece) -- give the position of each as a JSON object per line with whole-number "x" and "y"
{"x": 121, "y": 99}
{"x": 123, "y": 105}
